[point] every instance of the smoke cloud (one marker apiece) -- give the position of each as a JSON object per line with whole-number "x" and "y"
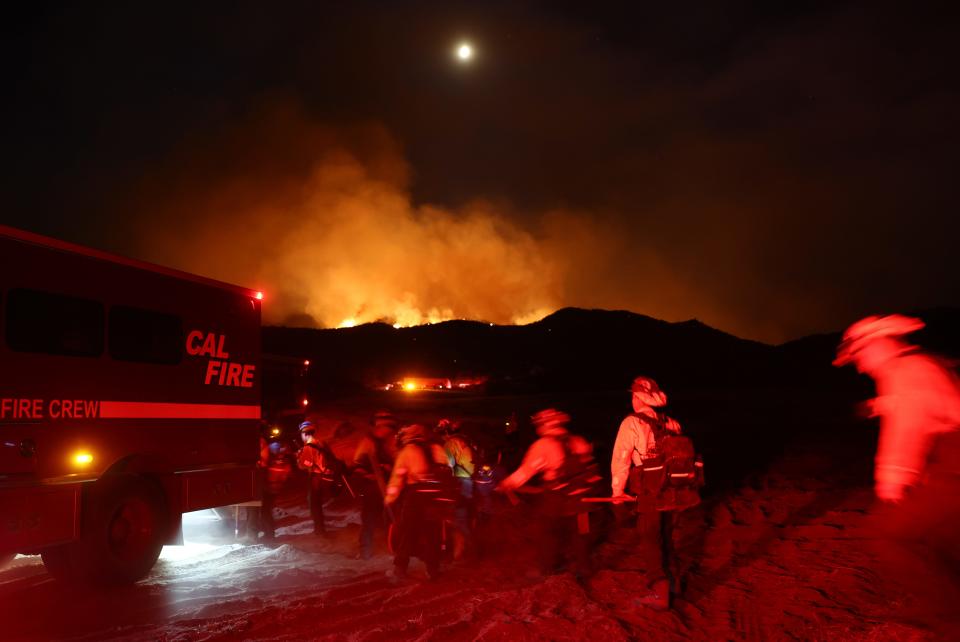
{"x": 322, "y": 220}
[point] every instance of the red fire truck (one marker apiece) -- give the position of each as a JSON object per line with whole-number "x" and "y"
{"x": 129, "y": 394}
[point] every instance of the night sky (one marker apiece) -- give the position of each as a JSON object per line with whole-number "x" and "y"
{"x": 771, "y": 170}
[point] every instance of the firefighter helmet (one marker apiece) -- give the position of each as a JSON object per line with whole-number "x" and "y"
{"x": 545, "y": 420}
{"x": 446, "y": 427}
{"x": 307, "y": 428}
{"x": 412, "y": 433}
{"x": 384, "y": 417}
{"x": 649, "y": 392}
{"x": 871, "y": 328}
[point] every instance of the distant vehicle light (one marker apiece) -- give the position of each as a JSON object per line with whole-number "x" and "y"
{"x": 306, "y": 402}
{"x": 306, "y": 362}
{"x": 258, "y": 296}
{"x": 409, "y": 386}
{"x": 82, "y": 458}
{"x": 275, "y": 432}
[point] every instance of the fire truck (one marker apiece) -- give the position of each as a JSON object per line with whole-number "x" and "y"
{"x": 129, "y": 394}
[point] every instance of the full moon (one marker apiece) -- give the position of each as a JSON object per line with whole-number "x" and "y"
{"x": 464, "y": 52}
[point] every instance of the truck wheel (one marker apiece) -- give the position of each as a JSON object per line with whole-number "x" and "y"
{"x": 122, "y": 531}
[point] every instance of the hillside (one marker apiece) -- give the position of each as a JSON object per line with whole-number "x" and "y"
{"x": 572, "y": 348}
{"x": 576, "y": 348}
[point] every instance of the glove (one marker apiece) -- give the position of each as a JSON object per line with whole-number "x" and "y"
{"x": 867, "y": 409}
{"x": 391, "y": 496}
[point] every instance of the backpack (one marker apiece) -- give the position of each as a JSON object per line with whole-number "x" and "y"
{"x": 671, "y": 477}
{"x": 438, "y": 490}
{"x": 334, "y": 468}
{"x": 468, "y": 443}
{"x": 577, "y": 479}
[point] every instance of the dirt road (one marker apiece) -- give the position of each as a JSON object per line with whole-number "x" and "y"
{"x": 786, "y": 556}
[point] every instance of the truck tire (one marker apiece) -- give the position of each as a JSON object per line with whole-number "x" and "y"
{"x": 124, "y": 536}
{"x": 123, "y": 522}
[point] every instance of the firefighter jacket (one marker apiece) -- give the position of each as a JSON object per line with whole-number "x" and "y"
{"x": 918, "y": 397}
{"x": 412, "y": 467}
{"x": 546, "y": 456}
{"x": 460, "y": 455}
{"x": 313, "y": 459}
{"x": 635, "y": 442}
{"x": 372, "y": 452}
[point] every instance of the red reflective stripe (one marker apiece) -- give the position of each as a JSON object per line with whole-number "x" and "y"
{"x": 149, "y": 410}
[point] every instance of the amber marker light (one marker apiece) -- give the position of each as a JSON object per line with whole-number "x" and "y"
{"x": 82, "y": 458}
{"x": 258, "y": 296}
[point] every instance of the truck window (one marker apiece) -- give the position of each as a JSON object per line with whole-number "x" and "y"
{"x": 145, "y": 336}
{"x": 53, "y": 324}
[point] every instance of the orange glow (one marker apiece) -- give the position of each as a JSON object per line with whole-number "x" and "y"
{"x": 259, "y": 296}
{"x": 82, "y": 458}
{"x": 421, "y": 263}
{"x": 275, "y": 432}
{"x": 409, "y": 386}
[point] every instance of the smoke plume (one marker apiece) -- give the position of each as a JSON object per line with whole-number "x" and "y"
{"x": 324, "y": 223}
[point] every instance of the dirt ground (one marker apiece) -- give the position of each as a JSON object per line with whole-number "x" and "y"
{"x": 785, "y": 550}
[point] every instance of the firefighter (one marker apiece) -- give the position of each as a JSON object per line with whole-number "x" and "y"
{"x": 315, "y": 460}
{"x": 636, "y": 442}
{"x": 421, "y": 479}
{"x": 461, "y": 455}
{"x": 373, "y": 460}
{"x": 917, "y": 465}
{"x": 564, "y": 464}
{"x": 266, "y": 494}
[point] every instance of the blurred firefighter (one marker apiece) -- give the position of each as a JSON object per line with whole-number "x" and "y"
{"x": 261, "y": 518}
{"x": 461, "y": 454}
{"x": 917, "y": 466}
{"x": 422, "y": 491}
{"x": 373, "y": 460}
{"x": 639, "y": 462}
{"x": 517, "y": 438}
{"x": 316, "y": 460}
{"x": 567, "y": 472}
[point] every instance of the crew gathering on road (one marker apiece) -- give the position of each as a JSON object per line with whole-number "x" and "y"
{"x": 434, "y": 487}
